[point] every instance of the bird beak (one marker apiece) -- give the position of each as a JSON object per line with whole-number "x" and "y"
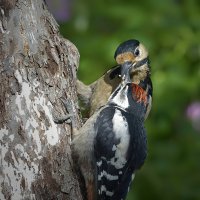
{"x": 125, "y": 72}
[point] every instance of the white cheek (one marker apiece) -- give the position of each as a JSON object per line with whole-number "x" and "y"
{"x": 140, "y": 54}
{"x": 143, "y": 53}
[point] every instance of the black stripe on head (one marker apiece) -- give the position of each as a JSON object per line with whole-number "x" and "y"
{"x": 142, "y": 62}
{"x": 127, "y": 46}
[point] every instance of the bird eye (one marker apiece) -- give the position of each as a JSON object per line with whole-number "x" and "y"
{"x": 137, "y": 52}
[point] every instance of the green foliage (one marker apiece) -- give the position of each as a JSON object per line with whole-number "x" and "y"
{"x": 171, "y": 31}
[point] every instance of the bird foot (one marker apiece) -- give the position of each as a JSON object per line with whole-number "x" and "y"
{"x": 69, "y": 118}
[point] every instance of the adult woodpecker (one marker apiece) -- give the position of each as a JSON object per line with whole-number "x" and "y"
{"x": 112, "y": 144}
{"x": 97, "y": 94}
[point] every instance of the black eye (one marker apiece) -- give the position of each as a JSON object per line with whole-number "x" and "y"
{"x": 137, "y": 52}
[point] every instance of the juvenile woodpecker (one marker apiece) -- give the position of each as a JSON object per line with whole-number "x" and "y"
{"x": 112, "y": 144}
{"x": 97, "y": 94}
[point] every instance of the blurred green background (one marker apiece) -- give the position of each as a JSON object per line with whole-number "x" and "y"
{"x": 171, "y": 31}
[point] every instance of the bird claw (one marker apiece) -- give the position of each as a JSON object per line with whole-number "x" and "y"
{"x": 66, "y": 118}
{"x": 69, "y": 118}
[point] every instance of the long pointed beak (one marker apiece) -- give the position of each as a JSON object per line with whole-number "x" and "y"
{"x": 125, "y": 72}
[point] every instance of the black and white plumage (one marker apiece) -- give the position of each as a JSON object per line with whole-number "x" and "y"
{"x": 120, "y": 145}
{"x": 120, "y": 149}
{"x": 115, "y": 144}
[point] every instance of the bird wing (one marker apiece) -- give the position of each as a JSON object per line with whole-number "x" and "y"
{"x": 112, "y": 151}
{"x": 120, "y": 149}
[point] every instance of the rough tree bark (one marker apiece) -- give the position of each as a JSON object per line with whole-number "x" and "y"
{"x": 37, "y": 69}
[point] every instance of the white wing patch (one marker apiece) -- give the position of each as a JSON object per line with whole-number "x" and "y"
{"x": 120, "y": 128}
{"x": 107, "y": 176}
{"x": 99, "y": 163}
{"x": 103, "y": 189}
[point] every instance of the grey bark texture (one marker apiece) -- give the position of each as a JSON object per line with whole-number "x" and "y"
{"x": 37, "y": 69}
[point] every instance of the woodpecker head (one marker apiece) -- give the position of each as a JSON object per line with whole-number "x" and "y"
{"x": 134, "y": 52}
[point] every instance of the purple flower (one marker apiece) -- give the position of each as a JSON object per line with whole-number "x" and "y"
{"x": 60, "y": 9}
{"x": 193, "y": 113}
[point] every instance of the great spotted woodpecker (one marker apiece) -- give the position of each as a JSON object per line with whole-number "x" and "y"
{"x": 112, "y": 144}
{"x": 97, "y": 94}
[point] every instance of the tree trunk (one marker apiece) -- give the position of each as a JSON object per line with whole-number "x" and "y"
{"x": 37, "y": 70}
